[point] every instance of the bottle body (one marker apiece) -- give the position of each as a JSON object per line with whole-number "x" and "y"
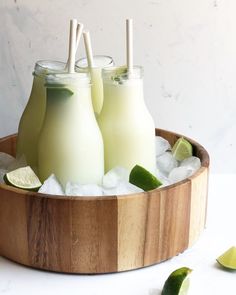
{"x": 31, "y": 122}
{"x": 32, "y": 118}
{"x": 96, "y": 78}
{"x": 127, "y": 127}
{"x": 70, "y": 143}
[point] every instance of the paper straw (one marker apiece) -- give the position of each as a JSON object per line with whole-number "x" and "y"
{"x": 72, "y": 46}
{"x": 88, "y": 48}
{"x": 79, "y": 32}
{"x": 129, "y": 45}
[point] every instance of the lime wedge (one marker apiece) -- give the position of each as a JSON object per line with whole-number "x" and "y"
{"x": 177, "y": 282}
{"x": 59, "y": 92}
{"x": 182, "y": 149}
{"x": 24, "y": 178}
{"x": 228, "y": 259}
{"x": 142, "y": 178}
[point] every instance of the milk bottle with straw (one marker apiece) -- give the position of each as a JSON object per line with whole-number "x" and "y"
{"x": 94, "y": 65}
{"x": 70, "y": 143}
{"x": 127, "y": 127}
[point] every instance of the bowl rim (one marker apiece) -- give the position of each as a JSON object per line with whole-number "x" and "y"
{"x": 205, "y": 162}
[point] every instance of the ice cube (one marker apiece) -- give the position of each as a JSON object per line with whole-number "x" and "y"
{"x": 123, "y": 188}
{"x": 179, "y": 173}
{"x": 162, "y": 145}
{"x": 166, "y": 162}
{"x": 192, "y": 163}
{"x": 165, "y": 182}
{"x": 73, "y": 189}
{"x": 160, "y": 175}
{"x": 51, "y": 186}
{"x": 2, "y": 173}
{"x": 18, "y": 163}
{"x": 92, "y": 190}
{"x": 163, "y": 178}
{"x": 6, "y": 160}
{"x": 115, "y": 176}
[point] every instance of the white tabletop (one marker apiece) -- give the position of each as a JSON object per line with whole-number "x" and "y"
{"x": 207, "y": 278}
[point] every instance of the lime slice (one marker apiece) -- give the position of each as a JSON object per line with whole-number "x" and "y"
{"x": 24, "y": 178}
{"x": 177, "y": 282}
{"x": 182, "y": 149}
{"x": 228, "y": 259}
{"x": 142, "y": 178}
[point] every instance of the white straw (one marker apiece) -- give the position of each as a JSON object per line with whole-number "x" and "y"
{"x": 88, "y": 48}
{"x": 79, "y": 32}
{"x": 72, "y": 46}
{"x": 129, "y": 45}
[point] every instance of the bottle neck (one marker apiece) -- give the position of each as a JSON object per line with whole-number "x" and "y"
{"x": 38, "y": 91}
{"x": 44, "y": 67}
{"x": 68, "y": 106}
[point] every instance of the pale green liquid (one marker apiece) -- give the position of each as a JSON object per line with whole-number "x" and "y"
{"x": 31, "y": 123}
{"x": 127, "y": 127}
{"x": 70, "y": 144}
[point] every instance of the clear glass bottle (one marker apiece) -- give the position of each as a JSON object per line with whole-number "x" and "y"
{"x": 127, "y": 127}
{"x": 100, "y": 62}
{"x": 70, "y": 143}
{"x": 32, "y": 118}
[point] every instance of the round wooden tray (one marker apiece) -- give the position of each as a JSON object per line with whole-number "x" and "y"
{"x": 102, "y": 234}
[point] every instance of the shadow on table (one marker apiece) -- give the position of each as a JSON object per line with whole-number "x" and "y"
{"x": 155, "y": 292}
{"x": 220, "y": 267}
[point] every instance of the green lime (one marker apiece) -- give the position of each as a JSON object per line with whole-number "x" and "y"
{"x": 24, "y": 178}
{"x": 57, "y": 93}
{"x": 177, "y": 282}
{"x": 182, "y": 149}
{"x": 142, "y": 178}
{"x": 228, "y": 259}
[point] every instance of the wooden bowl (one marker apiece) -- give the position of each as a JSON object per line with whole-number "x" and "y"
{"x": 102, "y": 234}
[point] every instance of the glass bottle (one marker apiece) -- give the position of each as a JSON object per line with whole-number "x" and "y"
{"x": 70, "y": 143}
{"x": 100, "y": 62}
{"x": 127, "y": 127}
{"x": 32, "y": 118}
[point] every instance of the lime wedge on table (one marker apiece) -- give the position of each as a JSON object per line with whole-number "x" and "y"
{"x": 142, "y": 178}
{"x": 228, "y": 259}
{"x": 177, "y": 282}
{"x": 23, "y": 178}
{"x": 182, "y": 149}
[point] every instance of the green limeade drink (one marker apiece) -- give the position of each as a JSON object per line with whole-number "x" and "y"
{"x": 70, "y": 143}
{"x": 32, "y": 118}
{"x": 100, "y": 62}
{"x": 127, "y": 127}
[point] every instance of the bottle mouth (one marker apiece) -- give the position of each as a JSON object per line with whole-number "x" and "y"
{"x": 100, "y": 61}
{"x": 122, "y": 74}
{"x": 67, "y": 79}
{"x": 44, "y": 67}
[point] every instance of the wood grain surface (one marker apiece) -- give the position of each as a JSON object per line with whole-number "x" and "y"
{"x": 102, "y": 234}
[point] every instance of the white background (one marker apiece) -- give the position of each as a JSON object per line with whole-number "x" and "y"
{"x": 187, "y": 48}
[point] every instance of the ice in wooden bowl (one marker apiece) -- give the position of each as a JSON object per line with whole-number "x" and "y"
{"x": 103, "y": 234}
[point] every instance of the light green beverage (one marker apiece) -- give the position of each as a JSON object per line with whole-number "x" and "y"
{"x": 32, "y": 118}
{"x": 100, "y": 62}
{"x": 127, "y": 127}
{"x": 70, "y": 143}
